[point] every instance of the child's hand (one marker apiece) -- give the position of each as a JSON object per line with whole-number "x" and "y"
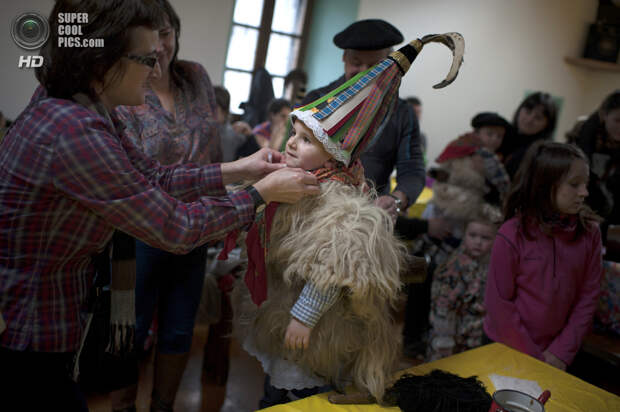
{"x": 553, "y": 360}
{"x": 297, "y": 335}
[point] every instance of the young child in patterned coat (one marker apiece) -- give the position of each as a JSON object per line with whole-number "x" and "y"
{"x": 457, "y": 291}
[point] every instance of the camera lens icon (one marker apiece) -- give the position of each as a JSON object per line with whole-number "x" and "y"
{"x": 30, "y": 30}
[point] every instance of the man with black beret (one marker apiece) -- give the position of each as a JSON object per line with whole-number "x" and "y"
{"x": 366, "y": 43}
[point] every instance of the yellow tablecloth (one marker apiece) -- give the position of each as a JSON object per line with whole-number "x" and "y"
{"x": 568, "y": 393}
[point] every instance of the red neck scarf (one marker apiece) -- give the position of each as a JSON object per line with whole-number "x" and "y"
{"x": 257, "y": 240}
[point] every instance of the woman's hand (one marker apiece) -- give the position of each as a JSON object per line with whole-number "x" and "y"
{"x": 297, "y": 335}
{"x": 252, "y": 167}
{"x": 553, "y": 360}
{"x": 287, "y": 185}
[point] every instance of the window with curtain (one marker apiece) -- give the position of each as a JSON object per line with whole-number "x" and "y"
{"x": 265, "y": 33}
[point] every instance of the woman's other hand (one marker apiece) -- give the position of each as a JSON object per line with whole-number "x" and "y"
{"x": 287, "y": 185}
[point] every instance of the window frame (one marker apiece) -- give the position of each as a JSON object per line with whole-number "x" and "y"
{"x": 264, "y": 34}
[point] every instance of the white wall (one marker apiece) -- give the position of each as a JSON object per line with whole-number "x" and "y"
{"x": 328, "y": 18}
{"x": 205, "y": 27}
{"x": 511, "y": 46}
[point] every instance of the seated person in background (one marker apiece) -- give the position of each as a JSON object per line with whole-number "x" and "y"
{"x": 275, "y": 126}
{"x": 534, "y": 120}
{"x": 469, "y": 175}
{"x": 457, "y": 292}
{"x": 489, "y": 130}
{"x": 295, "y": 86}
{"x": 231, "y": 141}
{"x": 599, "y": 138}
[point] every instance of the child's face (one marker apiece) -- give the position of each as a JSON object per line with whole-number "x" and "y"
{"x": 303, "y": 149}
{"x": 491, "y": 137}
{"x": 479, "y": 239}
{"x": 532, "y": 121}
{"x": 572, "y": 190}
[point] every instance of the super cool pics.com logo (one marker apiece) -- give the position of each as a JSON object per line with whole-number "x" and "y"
{"x": 31, "y": 30}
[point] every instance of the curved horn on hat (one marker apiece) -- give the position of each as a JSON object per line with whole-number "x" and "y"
{"x": 456, "y": 44}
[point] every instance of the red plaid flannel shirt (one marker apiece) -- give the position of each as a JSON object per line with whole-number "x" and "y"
{"x": 68, "y": 177}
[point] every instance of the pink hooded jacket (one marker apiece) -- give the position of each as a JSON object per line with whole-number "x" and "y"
{"x": 541, "y": 293}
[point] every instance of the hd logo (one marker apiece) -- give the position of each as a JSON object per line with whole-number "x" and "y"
{"x": 30, "y": 61}
{"x": 30, "y": 31}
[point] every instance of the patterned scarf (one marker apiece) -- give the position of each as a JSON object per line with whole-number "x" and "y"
{"x": 560, "y": 221}
{"x": 258, "y": 237}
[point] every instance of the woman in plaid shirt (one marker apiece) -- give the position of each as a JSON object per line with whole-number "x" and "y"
{"x": 69, "y": 176}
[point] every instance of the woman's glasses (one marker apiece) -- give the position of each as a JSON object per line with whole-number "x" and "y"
{"x": 147, "y": 60}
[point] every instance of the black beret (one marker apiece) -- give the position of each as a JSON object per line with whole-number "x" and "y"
{"x": 371, "y": 34}
{"x": 489, "y": 119}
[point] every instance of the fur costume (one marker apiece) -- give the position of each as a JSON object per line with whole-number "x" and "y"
{"x": 336, "y": 239}
{"x": 461, "y": 196}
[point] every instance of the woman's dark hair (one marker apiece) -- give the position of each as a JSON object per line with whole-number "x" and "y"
{"x": 533, "y": 191}
{"x": 549, "y": 110}
{"x": 611, "y": 102}
{"x": 180, "y": 77}
{"x": 70, "y": 70}
{"x": 276, "y": 105}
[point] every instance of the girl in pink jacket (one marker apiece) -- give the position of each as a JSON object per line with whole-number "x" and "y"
{"x": 545, "y": 269}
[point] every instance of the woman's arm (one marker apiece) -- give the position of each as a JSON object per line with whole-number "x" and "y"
{"x": 97, "y": 173}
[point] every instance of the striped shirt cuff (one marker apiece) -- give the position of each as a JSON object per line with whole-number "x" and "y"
{"x": 312, "y": 304}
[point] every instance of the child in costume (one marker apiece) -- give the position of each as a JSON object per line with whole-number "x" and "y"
{"x": 332, "y": 265}
{"x": 323, "y": 276}
{"x": 545, "y": 269}
{"x": 457, "y": 291}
